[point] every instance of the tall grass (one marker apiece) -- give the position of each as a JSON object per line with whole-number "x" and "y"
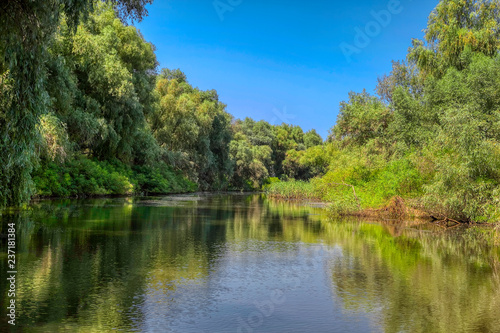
{"x": 292, "y": 190}
{"x": 356, "y": 182}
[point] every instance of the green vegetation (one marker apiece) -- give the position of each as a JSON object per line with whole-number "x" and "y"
{"x": 432, "y": 135}
{"x": 292, "y": 190}
{"x": 91, "y": 114}
{"x": 260, "y": 150}
{"x": 81, "y": 175}
{"x": 27, "y": 29}
{"x": 193, "y": 129}
{"x": 86, "y": 111}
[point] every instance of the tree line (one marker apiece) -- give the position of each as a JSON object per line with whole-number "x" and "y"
{"x": 86, "y": 111}
{"x": 431, "y": 133}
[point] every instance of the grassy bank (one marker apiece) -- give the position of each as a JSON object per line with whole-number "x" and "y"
{"x": 346, "y": 200}
{"x": 292, "y": 190}
{"x": 82, "y": 176}
{"x": 360, "y": 185}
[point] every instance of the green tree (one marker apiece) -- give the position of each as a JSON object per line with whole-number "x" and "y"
{"x": 250, "y": 169}
{"x": 465, "y": 146}
{"x": 26, "y": 29}
{"x": 361, "y": 119}
{"x": 193, "y": 127}
{"x": 457, "y": 28}
{"x": 111, "y": 83}
{"x": 287, "y": 137}
{"x": 403, "y": 75}
{"x": 312, "y": 138}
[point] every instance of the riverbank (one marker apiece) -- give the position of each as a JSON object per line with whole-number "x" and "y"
{"x": 343, "y": 199}
{"x": 37, "y": 199}
{"x": 82, "y": 177}
{"x": 396, "y": 209}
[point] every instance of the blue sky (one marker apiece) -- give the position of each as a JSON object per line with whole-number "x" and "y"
{"x": 283, "y": 60}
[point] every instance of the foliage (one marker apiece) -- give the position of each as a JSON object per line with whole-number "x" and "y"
{"x": 288, "y": 137}
{"x": 375, "y": 180}
{"x": 83, "y": 92}
{"x": 361, "y": 119}
{"x": 55, "y": 142}
{"x": 26, "y": 30}
{"x": 457, "y": 28}
{"x": 104, "y": 115}
{"x": 80, "y": 176}
{"x": 312, "y": 139}
{"x": 433, "y": 135}
{"x": 85, "y": 111}
{"x": 250, "y": 168}
{"x": 306, "y": 164}
{"x": 292, "y": 190}
{"x": 269, "y": 182}
{"x": 251, "y": 151}
{"x": 113, "y": 69}
{"x": 261, "y": 150}
{"x": 194, "y": 125}
{"x": 465, "y": 149}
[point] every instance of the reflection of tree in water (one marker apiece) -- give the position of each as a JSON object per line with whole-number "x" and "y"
{"x": 418, "y": 281}
{"x": 93, "y": 265}
{"x": 86, "y": 262}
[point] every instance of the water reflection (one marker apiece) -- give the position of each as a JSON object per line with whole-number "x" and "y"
{"x": 419, "y": 281}
{"x": 238, "y": 263}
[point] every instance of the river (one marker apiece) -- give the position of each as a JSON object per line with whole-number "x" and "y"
{"x": 243, "y": 263}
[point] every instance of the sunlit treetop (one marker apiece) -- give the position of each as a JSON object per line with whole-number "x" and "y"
{"x": 455, "y": 29}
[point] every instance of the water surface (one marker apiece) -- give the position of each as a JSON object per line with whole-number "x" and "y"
{"x": 242, "y": 263}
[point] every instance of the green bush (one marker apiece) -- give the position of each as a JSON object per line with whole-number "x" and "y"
{"x": 161, "y": 179}
{"x": 270, "y": 181}
{"x": 81, "y": 176}
{"x": 292, "y": 190}
{"x": 358, "y": 180}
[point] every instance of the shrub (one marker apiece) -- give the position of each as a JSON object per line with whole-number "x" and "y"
{"x": 292, "y": 190}
{"x": 81, "y": 176}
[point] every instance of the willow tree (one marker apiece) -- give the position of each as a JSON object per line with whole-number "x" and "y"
{"x": 26, "y": 29}
{"x": 287, "y": 137}
{"x": 361, "y": 119}
{"x": 455, "y": 30}
{"x": 312, "y": 139}
{"x": 250, "y": 161}
{"x": 193, "y": 127}
{"x": 114, "y": 73}
{"x": 443, "y": 105}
